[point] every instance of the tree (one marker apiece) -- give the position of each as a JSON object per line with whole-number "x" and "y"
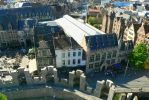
{"x": 139, "y": 55}
{"x": 3, "y": 97}
{"x": 92, "y": 20}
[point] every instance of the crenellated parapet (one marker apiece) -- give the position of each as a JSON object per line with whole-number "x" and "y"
{"x": 76, "y": 78}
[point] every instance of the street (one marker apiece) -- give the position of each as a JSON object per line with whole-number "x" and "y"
{"x": 132, "y": 79}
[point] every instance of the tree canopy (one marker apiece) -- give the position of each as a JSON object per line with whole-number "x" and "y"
{"x": 92, "y": 20}
{"x": 139, "y": 55}
{"x": 3, "y": 97}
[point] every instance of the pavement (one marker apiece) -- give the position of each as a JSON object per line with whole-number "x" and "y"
{"x": 132, "y": 79}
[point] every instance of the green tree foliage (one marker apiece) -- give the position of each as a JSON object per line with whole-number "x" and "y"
{"x": 138, "y": 56}
{"x": 92, "y": 20}
{"x": 117, "y": 96}
{"x": 3, "y": 97}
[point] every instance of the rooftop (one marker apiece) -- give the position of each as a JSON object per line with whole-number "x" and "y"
{"x": 122, "y": 4}
{"x": 64, "y": 42}
{"x": 76, "y": 29}
{"x": 25, "y": 10}
{"x": 102, "y": 41}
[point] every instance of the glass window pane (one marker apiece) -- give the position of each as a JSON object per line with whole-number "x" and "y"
{"x": 74, "y": 61}
{"x": 68, "y": 54}
{"x": 79, "y": 53}
{"x": 63, "y": 55}
{"x": 63, "y": 62}
{"x": 79, "y": 61}
{"x": 92, "y": 58}
{"x": 90, "y": 66}
{"x": 68, "y": 62}
{"x": 97, "y": 57}
{"x": 74, "y": 54}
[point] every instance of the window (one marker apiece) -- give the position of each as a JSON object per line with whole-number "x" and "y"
{"x": 92, "y": 58}
{"x": 74, "y": 61}
{"x": 52, "y": 30}
{"x": 74, "y": 54}
{"x": 63, "y": 55}
{"x": 79, "y": 53}
{"x": 90, "y": 66}
{"x": 97, "y": 65}
{"x": 113, "y": 61}
{"x": 68, "y": 62}
{"x": 79, "y": 61}
{"x": 44, "y": 52}
{"x": 68, "y": 54}
{"x": 103, "y": 56}
{"x": 114, "y": 53}
{"x": 129, "y": 37}
{"x": 108, "y": 61}
{"x": 97, "y": 57}
{"x": 63, "y": 62}
{"x": 109, "y": 55}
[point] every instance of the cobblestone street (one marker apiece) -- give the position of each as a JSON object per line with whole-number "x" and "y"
{"x": 132, "y": 79}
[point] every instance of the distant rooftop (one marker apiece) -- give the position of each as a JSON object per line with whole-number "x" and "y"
{"x": 122, "y": 4}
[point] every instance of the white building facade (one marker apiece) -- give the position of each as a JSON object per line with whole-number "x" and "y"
{"x": 69, "y": 57}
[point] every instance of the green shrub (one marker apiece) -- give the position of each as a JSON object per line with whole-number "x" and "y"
{"x": 3, "y": 97}
{"x": 116, "y": 96}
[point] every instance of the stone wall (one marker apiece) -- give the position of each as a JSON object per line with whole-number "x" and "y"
{"x": 49, "y": 92}
{"x": 50, "y": 74}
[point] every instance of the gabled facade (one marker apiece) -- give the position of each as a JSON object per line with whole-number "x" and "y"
{"x": 143, "y": 34}
{"x": 44, "y": 56}
{"x": 130, "y": 33}
{"x": 107, "y": 23}
{"x": 118, "y": 27}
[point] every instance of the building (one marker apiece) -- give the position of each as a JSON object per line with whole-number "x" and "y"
{"x": 118, "y": 26}
{"x": 46, "y": 30}
{"x": 102, "y": 51}
{"x": 124, "y": 5}
{"x": 8, "y": 33}
{"x": 101, "y": 2}
{"x": 15, "y": 29}
{"x": 77, "y": 30}
{"x": 107, "y": 23}
{"x": 15, "y": 33}
{"x": 38, "y": 12}
{"x": 68, "y": 52}
{"x": 130, "y": 32}
{"x": 143, "y": 34}
{"x": 44, "y": 56}
{"x": 125, "y": 48}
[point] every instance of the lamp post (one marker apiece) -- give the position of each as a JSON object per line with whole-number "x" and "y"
{"x": 126, "y": 68}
